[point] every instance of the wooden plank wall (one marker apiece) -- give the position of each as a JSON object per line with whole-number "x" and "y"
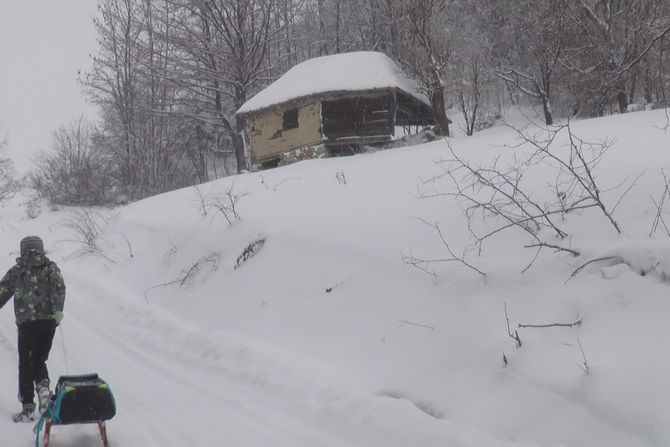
{"x": 360, "y": 116}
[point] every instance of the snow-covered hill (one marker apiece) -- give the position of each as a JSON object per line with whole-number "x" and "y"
{"x": 326, "y": 337}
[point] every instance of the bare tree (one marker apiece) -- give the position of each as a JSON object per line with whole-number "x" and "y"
{"x": 113, "y": 82}
{"x": 529, "y": 48}
{"x": 497, "y": 193}
{"x": 469, "y": 65}
{"x": 430, "y": 55}
{"x": 149, "y": 142}
{"x": 7, "y": 182}
{"x": 612, "y": 39}
{"x": 225, "y": 44}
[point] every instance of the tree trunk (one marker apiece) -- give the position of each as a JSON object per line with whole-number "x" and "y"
{"x": 548, "y": 118}
{"x": 437, "y": 100}
{"x": 622, "y": 100}
{"x": 648, "y": 83}
{"x": 238, "y": 144}
{"x": 323, "y": 46}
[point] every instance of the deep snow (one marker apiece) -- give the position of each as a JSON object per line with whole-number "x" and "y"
{"x": 327, "y": 338}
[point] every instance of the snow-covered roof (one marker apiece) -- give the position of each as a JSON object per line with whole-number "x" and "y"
{"x": 357, "y": 71}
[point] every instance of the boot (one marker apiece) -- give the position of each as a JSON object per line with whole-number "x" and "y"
{"x": 43, "y": 394}
{"x": 26, "y": 414}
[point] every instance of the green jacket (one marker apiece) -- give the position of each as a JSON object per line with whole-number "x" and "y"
{"x": 38, "y": 289}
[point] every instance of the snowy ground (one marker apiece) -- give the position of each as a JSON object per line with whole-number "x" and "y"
{"x": 327, "y": 338}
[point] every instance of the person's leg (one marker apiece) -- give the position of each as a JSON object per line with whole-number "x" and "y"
{"x": 26, "y": 338}
{"x": 44, "y": 335}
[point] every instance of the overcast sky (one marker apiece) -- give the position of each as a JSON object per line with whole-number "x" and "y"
{"x": 43, "y": 44}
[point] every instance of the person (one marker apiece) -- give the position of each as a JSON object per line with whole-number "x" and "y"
{"x": 38, "y": 289}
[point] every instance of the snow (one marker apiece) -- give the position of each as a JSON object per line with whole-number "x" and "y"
{"x": 326, "y": 338}
{"x": 355, "y": 71}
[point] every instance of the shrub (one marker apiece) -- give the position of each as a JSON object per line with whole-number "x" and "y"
{"x": 74, "y": 171}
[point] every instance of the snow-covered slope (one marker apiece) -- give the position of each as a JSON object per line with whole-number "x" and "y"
{"x": 327, "y": 338}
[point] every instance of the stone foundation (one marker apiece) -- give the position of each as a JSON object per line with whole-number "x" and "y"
{"x": 303, "y": 153}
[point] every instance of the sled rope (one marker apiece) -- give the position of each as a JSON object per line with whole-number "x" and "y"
{"x": 62, "y": 339}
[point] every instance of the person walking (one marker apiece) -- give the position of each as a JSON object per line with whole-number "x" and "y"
{"x": 38, "y": 289}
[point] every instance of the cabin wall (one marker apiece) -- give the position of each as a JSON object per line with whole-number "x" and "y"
{"x": 269, "y": 138}
{"x": 359, "y": 118}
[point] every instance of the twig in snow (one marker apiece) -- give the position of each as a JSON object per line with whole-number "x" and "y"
{"x": 659, "y": 208}
{"x": 202, "y": 199}
{"x": 401, "y": 325}
{"x": 417, "y": 324}
{"x": 276, "y": 186}
{"x": 331, "y": 288}
{"x": 341, "y": 178}
{"x": 584, "y": 366}
{"x": 130, "y": 248}
{"x": 420, "y": 263}
{"x": 515, "y": 336}
{"x": 576, "y": 323}
{"x": 632, "y": 185}
{"x": 556, "y": 248}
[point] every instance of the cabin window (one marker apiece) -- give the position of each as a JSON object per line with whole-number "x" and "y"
{"x": 290, "y": 119}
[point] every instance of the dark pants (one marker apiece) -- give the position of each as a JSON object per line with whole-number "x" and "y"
{"x": 35, "y": 338}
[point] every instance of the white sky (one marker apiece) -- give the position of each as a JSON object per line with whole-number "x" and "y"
{"x": 43, "y": 43}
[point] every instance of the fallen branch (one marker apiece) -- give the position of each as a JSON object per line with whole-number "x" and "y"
{"x": 585, "y": 365}
{"x": 583, "y": 266}
{"x": 556, "y": 248}
{"x": 576, "y": 323}
{"x": 417, "y": 324}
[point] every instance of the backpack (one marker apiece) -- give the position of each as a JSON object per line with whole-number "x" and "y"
{"x": 78, "y": 400}
{"x": 81, "y": 399}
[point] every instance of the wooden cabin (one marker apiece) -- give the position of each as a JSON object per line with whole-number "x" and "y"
{"x": 333, "y": 103}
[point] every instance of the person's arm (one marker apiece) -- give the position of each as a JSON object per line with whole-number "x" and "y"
{"x": 57, "y": 288}
{"x": 6, "y": 288}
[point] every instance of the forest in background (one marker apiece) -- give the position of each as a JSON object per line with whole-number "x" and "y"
{"x": 169, "y": 75}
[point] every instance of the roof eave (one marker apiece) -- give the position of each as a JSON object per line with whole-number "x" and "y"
{"x": 329, "y": 95}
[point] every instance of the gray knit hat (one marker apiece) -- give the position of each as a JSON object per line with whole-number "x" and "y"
{"x": 32, "y": 243}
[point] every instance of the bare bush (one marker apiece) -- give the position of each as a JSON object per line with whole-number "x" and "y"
{"x": 86, "y": 226}
{"x": 74, "y": 171}
{"x": 496, "y": 193}
{"x": 188, "y": 274}
{"x": 226, "y": 201}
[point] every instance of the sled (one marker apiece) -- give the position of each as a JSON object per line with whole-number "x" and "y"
{"x": 84, "y": 399}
